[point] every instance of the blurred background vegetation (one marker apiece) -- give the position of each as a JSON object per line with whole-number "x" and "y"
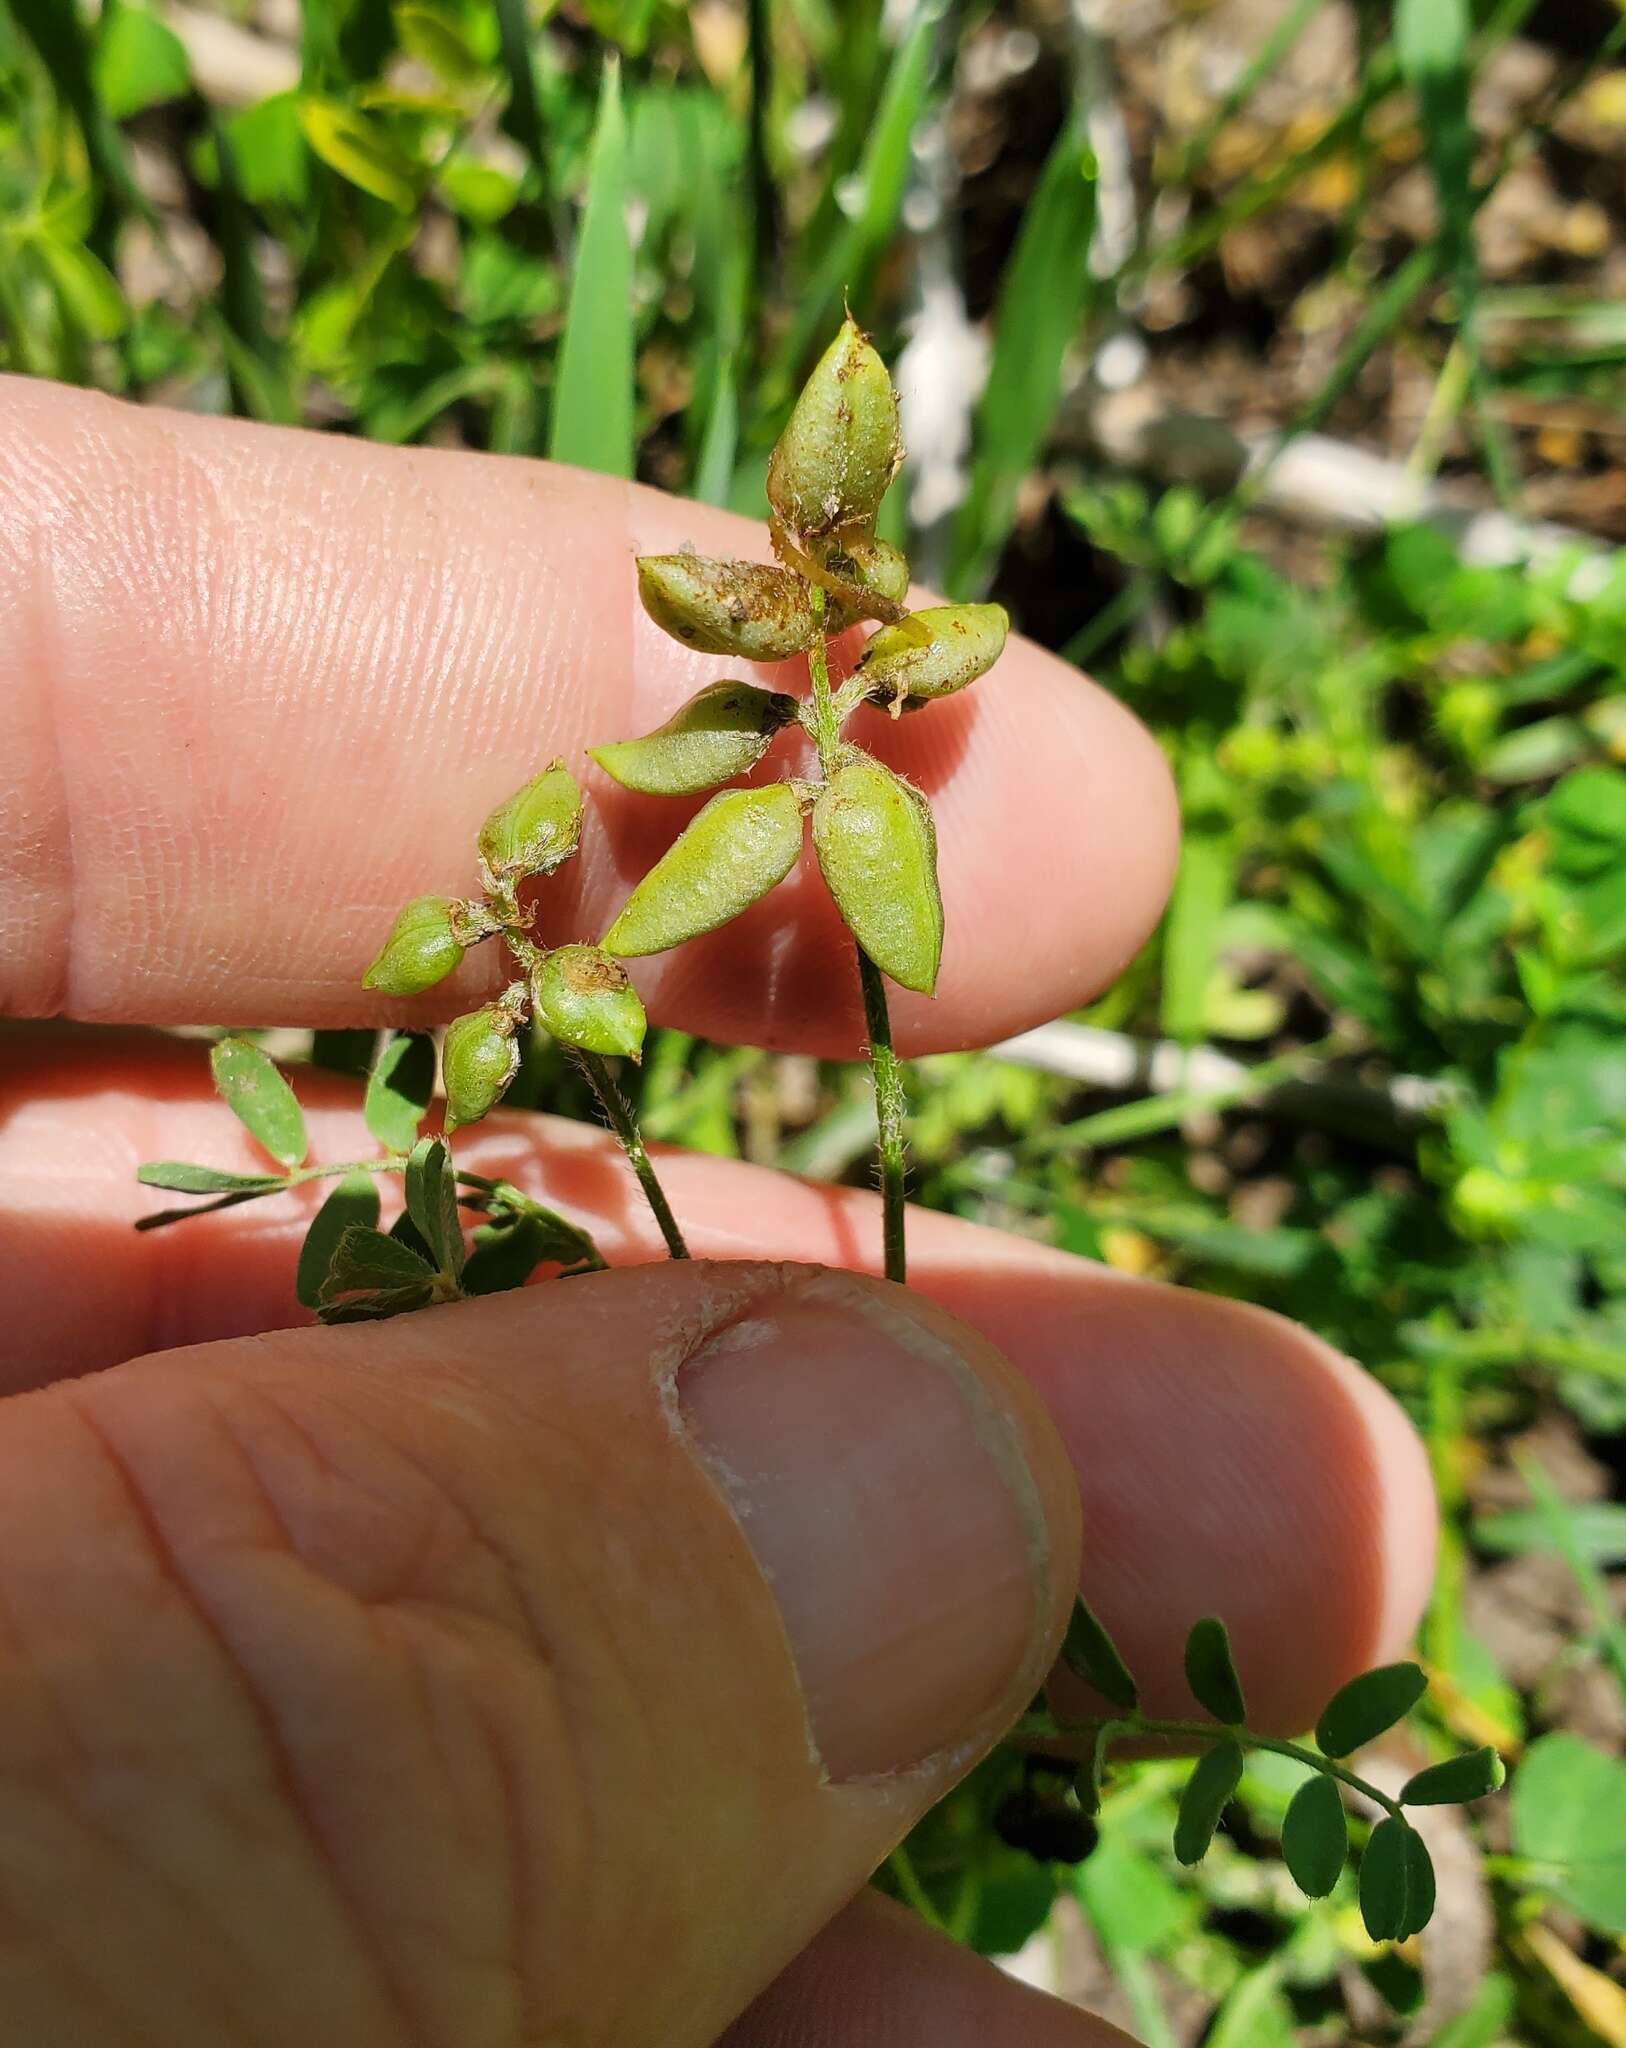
{"x": 1266, "y": 356}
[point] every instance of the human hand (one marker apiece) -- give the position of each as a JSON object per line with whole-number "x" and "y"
{"x": 549, "y": 1668}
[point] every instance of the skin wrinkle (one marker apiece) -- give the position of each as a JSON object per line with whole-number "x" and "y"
{"x": 284, "y": 1772}
{"x": 55, "y": 850}
{"x": 40, "y": 1941}
{"x": 522, "y": 1621}
{"x": 146, "y": 1520}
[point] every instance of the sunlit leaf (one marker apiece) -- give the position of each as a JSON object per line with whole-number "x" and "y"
{"x": 399, "y": 1089}
{"x": 255, "y": 1092}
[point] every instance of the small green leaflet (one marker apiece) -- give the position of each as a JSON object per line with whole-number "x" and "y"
{"x": 1090, "y": 1652}
{"x": 1469, "y": 1776}
{"x": 431, "y": 1198}
{"x": 507, "y": 1251}
{"x": 365, "y": 1258}
{"x": 399, "y": 1088}
{"x": 137, "y": 63}
{"x": 434, "y": 41}
{"x": 353, "y": 1201}
{"x": 1211, "y": 1672}
{"x": 1360, "y": 1711}
{"x": 1209, "y": 1787}
{"x": 162, "y": 1218}
{"x": 1315, "y": 1837}
{"x": 181, "y": 1178}
{"x": 505, "y": 1257}
{"x": 1419, "y": 1884}
{"x": 1397, "y": 1882}
{"x": 1568, "y": 1811}
{"x": 260, "y": 1099}
{"x": 362, "y": 150}
{"x": 379, "y": 1306}
{"x": 1385, "y": 1880}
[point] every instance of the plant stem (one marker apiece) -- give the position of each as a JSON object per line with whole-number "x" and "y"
{"x": 1089, "y": 1743}
{"x": 885, "y": 1071}
{"x": 619, "y": 1112}
{"x": 826, "y": 728}
{"x": 890, "y": 1106}
{"x": 624, "y": 1122}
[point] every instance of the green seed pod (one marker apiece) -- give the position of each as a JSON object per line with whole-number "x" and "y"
{"x": 538, "y": 828}
{"x": 870, "y": 580}
{"x": 423, "y": 947}
{"x": 862, "y": 578}
{"x": 739, "y": 847}
{"x": 716, "y": 736}
{"x": 749, "y": 609}
{"x": 932, "y": 654}
{"x": 477, "y": 1062}
{"x": 585, "y": 999}
{"x": 877, "y": 847}
{"x": 840, "y": 448}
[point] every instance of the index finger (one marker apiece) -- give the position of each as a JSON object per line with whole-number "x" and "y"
{"x": 264, "y": 685}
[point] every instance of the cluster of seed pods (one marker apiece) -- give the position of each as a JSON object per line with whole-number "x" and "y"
{"x": 872, "y": 830}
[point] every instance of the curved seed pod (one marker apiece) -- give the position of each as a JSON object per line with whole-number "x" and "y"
{"x": 863, "y": 578}
{"x": 870, "y": 580}
{"x": 585, "y": 999}
{"x": 716, "y": 736}
{"x": 538, "y": 828}
{"x": 739, "y": 847}
{"x": 840, "y": 448}
{"x": 423, "y": 947}
{"x": 749, "y": 609}
{"x": 877, "y": 847}
{"x": 932, "y": 654}
{"x": 477, "y": 1062}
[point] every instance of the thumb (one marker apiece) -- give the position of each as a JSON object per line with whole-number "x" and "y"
{"x": 546, "y": 1667}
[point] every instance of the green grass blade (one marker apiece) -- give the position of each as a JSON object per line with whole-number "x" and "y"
{"x": 1202, "y": 894}
{"x": 524, "y": 115}
{"x": 883, "y": 175}
{"x": 1431, "y": 45}
{"x": 1041, "y": 305}
{"x": 714, "y": 472}
{"x": 592, "y": 419}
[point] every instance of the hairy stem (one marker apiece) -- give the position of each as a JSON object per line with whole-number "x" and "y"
{"x": 619, "y": 1112}
{"x": 623, "y": 1121}
{"x": 890, "y": 1107}
{"x": 885, "y": 1071}
{"x": 826, "y": 727}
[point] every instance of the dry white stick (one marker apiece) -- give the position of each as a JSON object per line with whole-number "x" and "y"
{"x": 233, "y": 66}
{"x": 1138, "y": 1066}
{"x": 1321, "y": 482}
